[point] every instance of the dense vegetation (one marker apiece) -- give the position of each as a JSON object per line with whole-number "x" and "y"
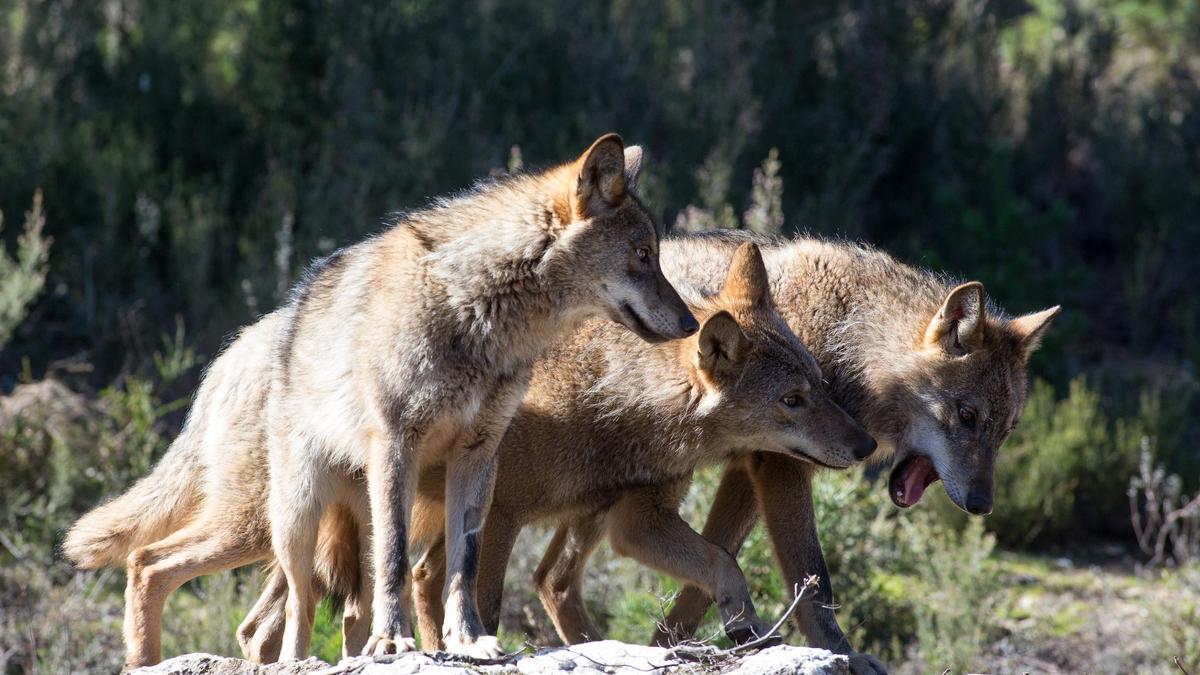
{"x": 193, "y": 155}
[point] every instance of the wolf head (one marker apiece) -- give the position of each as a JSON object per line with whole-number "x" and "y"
{"x": 965, "y": 389}
{"x": 614, "y": 243}
{"x": 766, "y": 385}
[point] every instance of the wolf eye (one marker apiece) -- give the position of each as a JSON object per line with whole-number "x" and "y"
{"x": 642, "y": 252}
{"x": 793, "y": 400}
{"x": 967, "y": 415}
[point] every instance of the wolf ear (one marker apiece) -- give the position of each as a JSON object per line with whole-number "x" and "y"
{"x": 1031, "y": 328}
{"x": 633, "y": 166}
{"x": 747, "y": 279}
{"x": 723, "y": 345}
{"x": 958, "y": 326}
{"x": 600, "y": 177}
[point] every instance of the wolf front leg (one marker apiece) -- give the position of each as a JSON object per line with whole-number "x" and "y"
{"x": 390, "y": 488}
{"x": 646, "y": 526}
{"x": 733, "y": 514}
{"x": 470, "y": 477}
{"x": 784, "y": 488}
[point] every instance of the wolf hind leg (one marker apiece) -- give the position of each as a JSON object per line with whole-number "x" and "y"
{"x": 429, "y": 577}
{"x": 559, "y": 577}
{"x": 211, "y": 544}
{"x": 299, "y": 495}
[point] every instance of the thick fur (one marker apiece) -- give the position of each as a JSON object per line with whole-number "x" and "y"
{"x": 903, "y": 350}
{"x": 566, "y": 244}
{"x": 203, "y": 507}
{"x": 638, "y": 422}
{"x": 415, "y": 348}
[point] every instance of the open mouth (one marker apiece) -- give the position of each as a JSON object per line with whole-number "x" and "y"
{"x": 809, "y": 458}
{"x": 910, "y": 478}
{"x": 635, "y": 323}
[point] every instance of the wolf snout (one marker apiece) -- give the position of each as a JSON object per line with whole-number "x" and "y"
{"x": 978, "y": 502}
{"x": 688, "y": 324}
{"x": 864, "y": 447}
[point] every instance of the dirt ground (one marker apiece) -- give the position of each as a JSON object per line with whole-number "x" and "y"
{"x": 1096, "y": 614}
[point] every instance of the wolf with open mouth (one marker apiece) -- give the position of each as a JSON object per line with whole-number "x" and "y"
{"x": 932, "y": 369}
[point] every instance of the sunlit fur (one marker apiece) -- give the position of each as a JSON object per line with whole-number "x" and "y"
{"x": 411, "y": 347}
{"x": 868, "y": 320}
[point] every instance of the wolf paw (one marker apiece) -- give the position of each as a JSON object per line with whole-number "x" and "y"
{"x": 744, "y": 632}
{"x": 865, "y": 664}
{"x": 379, "y": 645}
{"x": 484, "y": 647}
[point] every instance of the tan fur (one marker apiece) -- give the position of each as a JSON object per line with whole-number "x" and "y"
{"x": 443, "y": 312}
{"x": 415, "y": 348}
{"x": 203, "y": 508}
{"x": 867, "y": 318}
{"x": 638, "y": 422}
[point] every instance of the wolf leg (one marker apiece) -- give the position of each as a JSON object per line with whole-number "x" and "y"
{"x": 390, "y": 487}
{"x": 645, "y": 525}
{"x": 429, "y": 577}
{"x": 559, "y": 577}
{"x": 784, "y": 488}
{"x": 500, "y": 533}
{"x": 470, "y": 478}
{"x": 357, "y": 575}
{"x": 732, "y": 516}
{"x": 260, "y": 634}
{"x": 211, "y": 544}
{"x": 301, "y": 488}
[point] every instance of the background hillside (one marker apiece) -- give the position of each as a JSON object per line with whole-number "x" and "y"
{"x": 193, "y": 155}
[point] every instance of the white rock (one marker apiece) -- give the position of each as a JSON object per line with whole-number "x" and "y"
{"x": 608, "y": 657}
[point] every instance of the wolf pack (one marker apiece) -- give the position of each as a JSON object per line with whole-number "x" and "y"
{"x": 530, "y": 351}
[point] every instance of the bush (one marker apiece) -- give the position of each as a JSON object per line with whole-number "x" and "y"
{"x": 22, "y": 277}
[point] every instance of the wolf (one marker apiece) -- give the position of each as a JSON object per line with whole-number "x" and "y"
{"x": 415, "y": 346}
{"x": 203, "y": 508}
{"x": 607, "y": 439}
{"x": 933, "y": 369}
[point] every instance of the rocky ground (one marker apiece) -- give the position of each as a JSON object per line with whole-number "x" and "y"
{"x": 607, "y": 657}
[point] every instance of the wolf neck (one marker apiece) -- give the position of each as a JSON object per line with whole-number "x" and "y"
{"x": 654, "y": 386}
{"x": 499, "y": 272}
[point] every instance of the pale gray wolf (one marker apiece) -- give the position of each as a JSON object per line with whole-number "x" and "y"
{"x": 932, "y": 369}
{"x": 606, "y": 441}
{"x": 412, "y": 347}
{"x": 415, "y": 347}
{"x": 203, "y": 508}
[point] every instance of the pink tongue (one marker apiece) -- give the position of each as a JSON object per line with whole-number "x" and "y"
{"x": 916, "y": 479}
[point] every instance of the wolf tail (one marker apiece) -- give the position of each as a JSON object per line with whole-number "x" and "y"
{"x": 146, "y": 512}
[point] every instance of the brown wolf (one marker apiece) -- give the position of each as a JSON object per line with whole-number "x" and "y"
{"x": 415, "y": 347}
{"x": 934, "y": 371}
{"x": 607, "y": 438}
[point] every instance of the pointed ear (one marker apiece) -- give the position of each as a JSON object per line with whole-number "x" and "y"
{"x": 1031, "y": 328}
{"x": 747, "y": 280}
{"x": 599, "y": 177}
{"x": 633, "y": 166}
{"x": 959, "y": 325}
{"x": 723, "y": 346}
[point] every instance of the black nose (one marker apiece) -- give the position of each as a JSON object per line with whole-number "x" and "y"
{"x": 979, "y": 503}
{"x": 689, "y": 324}
{"x": 865, "y": 447}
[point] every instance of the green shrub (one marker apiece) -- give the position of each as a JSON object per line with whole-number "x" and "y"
{"x": 1174, "y": 626}
{"x": 22, "y": 276}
